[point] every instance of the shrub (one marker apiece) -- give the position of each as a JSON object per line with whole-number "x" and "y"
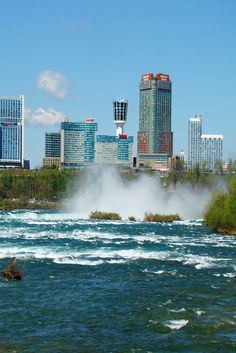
{"x": 104, "y": 215}
{"x": 132, "y": 218}
{"x": 221, "y": 211}
{"x": 154, "y": 217}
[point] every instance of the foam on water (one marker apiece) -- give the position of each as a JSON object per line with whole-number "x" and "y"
{"x": 176, "y": 324}
{"x": 177, "y": 310}
{"x": 96, "y": 243}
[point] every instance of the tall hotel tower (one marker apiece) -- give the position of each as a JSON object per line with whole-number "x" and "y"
{"x": 194, "y": 141}
{"x": 12, "y": 132}
{"x": 155, "y": 136}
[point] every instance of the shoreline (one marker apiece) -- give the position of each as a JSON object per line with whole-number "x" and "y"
{"x": 9, "y": 205}
{"x": 226, "y": 231}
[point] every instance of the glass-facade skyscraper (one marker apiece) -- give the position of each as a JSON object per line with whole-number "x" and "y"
{"x": 155, "y": 135}
{"x": 12, "y": 131}
{"x": 78, "y": 143}
{"x": 53, "y": 144}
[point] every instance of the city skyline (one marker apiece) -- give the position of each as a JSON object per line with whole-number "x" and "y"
{"x": 67, "y": 63}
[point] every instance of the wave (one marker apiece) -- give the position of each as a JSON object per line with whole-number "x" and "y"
{"x": 64, "y": 254}
{"x": 177, "y": 310}
{"x": 176, "y": 324}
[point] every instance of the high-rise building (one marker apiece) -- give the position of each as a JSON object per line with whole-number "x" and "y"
{"x": 212, "y": 151}
{"x": 53, "y": 144}
{"x": 194, "y": 141}
{"x": 78, "y": 143}
{"x": 203, "y": 150}
{"x": 12, "y": 132}
{"x": 52, "y": 150}
{"x": 120, "y": 108}
{"x": 113, "y": 150}
{"x": 155, "y": 135}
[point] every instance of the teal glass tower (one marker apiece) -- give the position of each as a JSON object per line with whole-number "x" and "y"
{"x": 78, "y": 143}
{"x": 12, "y": 132}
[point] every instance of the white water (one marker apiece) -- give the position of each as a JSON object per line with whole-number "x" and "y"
{"x": 176, "y": 324}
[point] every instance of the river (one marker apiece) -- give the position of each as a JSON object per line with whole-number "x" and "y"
{"x": 91, "y": 286}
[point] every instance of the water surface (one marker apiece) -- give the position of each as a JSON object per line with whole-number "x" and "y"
{"x": 93, "y": 286}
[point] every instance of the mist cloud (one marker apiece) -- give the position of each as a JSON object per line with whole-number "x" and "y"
{"x": 53, "y": 83}
{"x": 105, "y": 190}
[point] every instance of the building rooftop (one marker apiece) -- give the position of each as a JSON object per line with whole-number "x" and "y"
{"x": 207, "y": 136}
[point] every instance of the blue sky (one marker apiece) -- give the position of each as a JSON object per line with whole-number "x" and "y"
{"x": 73, "y": 57}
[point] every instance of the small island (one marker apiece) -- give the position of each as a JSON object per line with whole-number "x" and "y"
{"x": 154, "y": 217}
{"x": 105, "y": 216}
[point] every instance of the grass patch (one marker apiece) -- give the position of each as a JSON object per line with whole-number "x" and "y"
{"x": 154, "y": 217}
{"x": 105, "y": 215}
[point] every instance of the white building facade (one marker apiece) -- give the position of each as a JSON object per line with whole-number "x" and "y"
{"x": 194, "y": 141}
{"x": 204, "y": 150}
{"x": 212, "y": 151}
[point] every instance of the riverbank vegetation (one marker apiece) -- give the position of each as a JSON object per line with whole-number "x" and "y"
{"x": 221, "y": 212}
{"x": 197, "y": 177}
{"x": 39, "y": 184}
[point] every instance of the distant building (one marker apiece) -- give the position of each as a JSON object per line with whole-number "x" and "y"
{"x": 194, "y": 141}
{"x": 53, "y": 144}
{"x": 116, "y": 150}
{"x": 155, "y": 136}
{"x": 26, "y": 164}
{"x": 113, "y": 150}
{"x": 156, "y": 161}
{"x": 212, "y": 151}
{"x": 78, "y": 143}
{"x": 52, "y": 162}
{"x": 12, "y": 132}
{"x": 204, "y": 150}
{"x": 120, "y": 108}
{"x": 52, "y": 150}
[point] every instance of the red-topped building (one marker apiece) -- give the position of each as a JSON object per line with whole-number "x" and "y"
{"x": 155, "y": 135}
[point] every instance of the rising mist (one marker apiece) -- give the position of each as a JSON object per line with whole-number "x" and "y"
{"x": 106, "y": 190}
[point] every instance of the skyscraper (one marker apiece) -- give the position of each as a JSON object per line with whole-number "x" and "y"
{"x": 212, "y": 151}
{"x": 52, "y": 144}
{"x": 12, "y": 132}
{"x": 194, "y": 141}
{"x": 155, "y": 135}
{"x": 78, "y": 143}
{"x": 203, "y": 150}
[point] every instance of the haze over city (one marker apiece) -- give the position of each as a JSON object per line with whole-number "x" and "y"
{"x": 74, "y": 63}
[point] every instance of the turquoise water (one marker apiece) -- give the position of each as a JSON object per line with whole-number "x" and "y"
{"x": 116, "y": 286}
